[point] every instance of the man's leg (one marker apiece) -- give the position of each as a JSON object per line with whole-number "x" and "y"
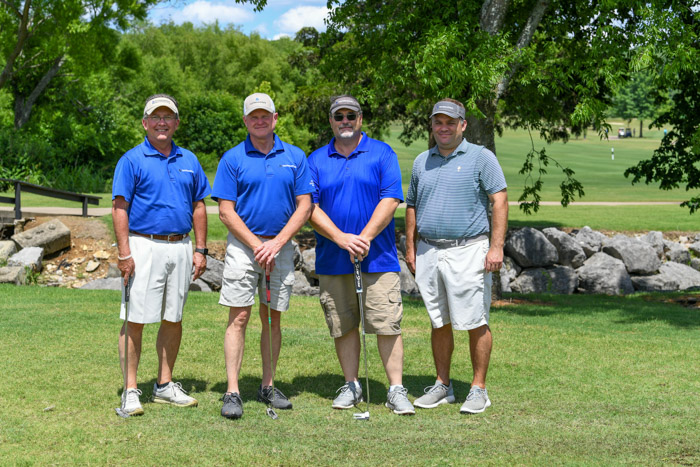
{"x": 480, "y": 342}
{"x": 135, "y": 338}
{"x": 391, "y": 352}
{"x": 167, "y": 346}
{"x": 442, "y": 342}
{"x": 347, "y": 347}
{"x": 265, "y": 343}
{"x": 234, "y": 343}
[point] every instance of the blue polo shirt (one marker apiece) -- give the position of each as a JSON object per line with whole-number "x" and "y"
{"x": 264, "y": 186}
{"x": 348, "y": 189}
{"x": 160, "y": 190}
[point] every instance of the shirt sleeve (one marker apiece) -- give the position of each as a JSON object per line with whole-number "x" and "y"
{"x": 124, "y": 182}
{"x": 225, "y": 182}
{"x": 391, "y": 176}
{"x": 302, "y": 183}
{"x": 413, "y": 186}
{"x": 313, "y": 175}
{"x": 202, "y": 189}
{"x": 491, "y": 175}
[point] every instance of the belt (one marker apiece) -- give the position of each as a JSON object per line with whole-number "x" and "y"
{"x": 167, "y": 238}
{"x": 442, "y": 243}
{"x": 267, "y": 236}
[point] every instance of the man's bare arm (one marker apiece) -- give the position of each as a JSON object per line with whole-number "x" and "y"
{"x": 199, "y": 223}
{"x": 499, "y": 226}
{"x": 120, "y": 219}
{"x": 411, "y": 238}
{"x": 353, "y": 244}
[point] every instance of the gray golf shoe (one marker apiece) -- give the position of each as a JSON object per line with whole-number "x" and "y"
{"x": 233, "y": 406}
{"x": 435, "y": 395}
{"x": 280, "y": 401}
{"x": 477, "y": 401}
{"x": 397, "y": 400}
{"x": 350, "y": 395}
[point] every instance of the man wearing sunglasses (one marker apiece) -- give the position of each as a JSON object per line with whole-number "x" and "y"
{"x": 357, "y": 188}
{"x": 448, "y": 247}
{"x": 157, "y": 198}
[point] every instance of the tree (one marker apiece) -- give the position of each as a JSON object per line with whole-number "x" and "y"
{"x": 41, "y": 38}
{"x": 638, "y": 98}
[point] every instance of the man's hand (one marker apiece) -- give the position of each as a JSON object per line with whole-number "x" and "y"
{"x": 199, "y": 265}
{"x": 494, "y": 259}
{"x": 127, "y": 268}
{"x": 356, "y": 245}
{"x": 266, "y": 252}
{"x": 411, "y": 259}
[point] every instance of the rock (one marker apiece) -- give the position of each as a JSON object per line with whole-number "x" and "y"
{"x": 113, "y": 271}
{"x": 601, "y": 273}
{"x": 655, "y": 283}
{"x": 92, "y": 266}
{"x": 556, "y": 280}
{"x": 677, "y": 253}
{"x": 686, "y": 276}
{"x": 213, "y": 274}
{"x": 656, "y": 240}
{"x": 695, "y": 263}
{"x": 30, "y": 257}
{"x": 401, "y": 247}
{"x": 508, "y": 273}
{"x": 697, "y": 238}
{"x": 302, "y": 286}
{"x": 590, "y": 240}
{"x": 13, "y": 275}
{"x": 639, "y": 257}
{"x": 107, "y": 283}
{"x": 199, "y": 286}
{"x": 7, "y": 249}
{"x": 570, "y": 251}
{"x": 408, "y": 283}
{"x": 101, "y": 255}
{"x": 298, "y": 261}
{"x": 309, "y": 266}
{"x": 695, "y": 247}
{"x": 530, "y": 248}
{"x": 52, "y": 236}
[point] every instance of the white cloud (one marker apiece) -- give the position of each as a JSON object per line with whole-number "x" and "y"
{"x": 293, "y": 20}
{"x": 280, "y": 36}
{"x": 203, "y": 12}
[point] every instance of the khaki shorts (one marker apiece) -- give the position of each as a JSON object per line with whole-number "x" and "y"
{"x": 454, "y": 285}
{"x": 243, "y": 277}
{"x": 161, "y": 280}
{"x": 382, "y": 303}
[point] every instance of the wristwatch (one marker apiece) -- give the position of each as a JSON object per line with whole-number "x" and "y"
{"x": 204, "y": 251}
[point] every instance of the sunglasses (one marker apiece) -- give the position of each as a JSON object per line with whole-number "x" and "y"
{"x": 340, "y": 117}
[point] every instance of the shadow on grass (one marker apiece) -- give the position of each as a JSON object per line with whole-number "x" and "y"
{"x": 638, "y": 308}
{"x": 534, "y": 223}
{"x": 188, "y": 384}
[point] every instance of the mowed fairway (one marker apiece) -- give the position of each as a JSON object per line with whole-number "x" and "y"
{"x": 574, "y": 380}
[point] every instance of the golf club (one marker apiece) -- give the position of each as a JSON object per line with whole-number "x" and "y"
{"x": 270, "y": 411}
{"x": 121, "y": 411}
{"x": 358, "y": 290}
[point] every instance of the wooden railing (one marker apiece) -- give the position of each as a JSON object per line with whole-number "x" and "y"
{"x": 21, "y": 186}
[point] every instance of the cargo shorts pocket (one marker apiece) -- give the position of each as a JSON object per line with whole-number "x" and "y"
{"x": 289, "y": 279}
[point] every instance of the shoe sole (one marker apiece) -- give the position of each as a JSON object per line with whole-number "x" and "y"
{"x": 444, "y": 400}
{"x": 343, "y": 407}
{"x": 400, "y": 412}
{"x": 486, "y": 406}
{"x": 135, "y": 413}
{"x": 232, "y": 417}
{"x": 158, "y": 400}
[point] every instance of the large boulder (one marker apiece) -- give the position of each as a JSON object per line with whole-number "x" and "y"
{"x": 556, "y": 280}
{"x": 530, "y": 248}
{"x": 408, "y": 283}
{"x": 52, "y": 236}
{"x": 298, "y": 261}
{"x": 639, "y": 257}
{"x": 213, "y": 274}
{"x": 570, "y": 251}
{"x": 695, "y": 247}
{"x": 656, "y": 240}
{"x": 508, "y": 273}
{"x": 686, "y": 276}
{"x": 590, "y": 240}
{"x": 603, "y": 274}
{"x": 7, "y": 249}
{"x": 655, "y": 283}
{"x": 30, "y": 257}
{"x": 13, "y": 275}
{"x": 199, "y": 286}
{"x": 677, "y": 253}
{"x": 302, "y": 286}
{"x": 695, "y": 263}
{"x": 309, "y": 265}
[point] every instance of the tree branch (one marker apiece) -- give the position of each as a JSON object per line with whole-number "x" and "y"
{"x": 22, "y": 35}
{"x": 493, "y": 13}
{"x": 23, "y": 108}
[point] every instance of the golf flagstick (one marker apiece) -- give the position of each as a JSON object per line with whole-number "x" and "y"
{"x": 358, "y": 290}
{"x": 121, "y": 410}
{"x": 270, "y": 410}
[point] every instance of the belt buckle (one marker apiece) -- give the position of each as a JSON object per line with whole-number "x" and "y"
{"x": 171, "y": 235}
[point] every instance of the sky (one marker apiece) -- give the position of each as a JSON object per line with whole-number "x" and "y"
{"x": 279, "y": 18}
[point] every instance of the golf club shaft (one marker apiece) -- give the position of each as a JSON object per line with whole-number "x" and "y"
{"x": 127, "y": 293}
{"x": 269, "y": 330}
{"x": 358, "y": 290}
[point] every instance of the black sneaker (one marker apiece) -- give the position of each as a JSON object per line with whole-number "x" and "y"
{"x": 280, "y": 402}
{"x": 233, "y": 407}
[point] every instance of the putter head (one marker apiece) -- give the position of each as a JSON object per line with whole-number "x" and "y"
{"x": 361, "y": 416}
{"x": 122, "y": 413}
{"x": 271, "y": 413}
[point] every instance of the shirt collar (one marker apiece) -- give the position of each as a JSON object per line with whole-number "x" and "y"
{"x": 362, "y": 147}
{"x": 277, "y": 147}
{"x": 459, "y": 150}
{"x": 149, "y": 150}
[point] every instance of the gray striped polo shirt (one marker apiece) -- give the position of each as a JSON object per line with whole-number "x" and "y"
{"x": 450, "y": 193}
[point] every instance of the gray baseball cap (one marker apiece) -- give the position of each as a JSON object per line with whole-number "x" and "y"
{"x": 345, "y": 102}
{"x": 448, "y": 108}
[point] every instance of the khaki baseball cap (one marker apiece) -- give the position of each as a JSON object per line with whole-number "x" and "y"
{"x": 160, "y": 101}
{"x": 259, "y": 100}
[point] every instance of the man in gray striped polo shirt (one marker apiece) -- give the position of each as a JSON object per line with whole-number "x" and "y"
{"x": 448, "y": 248}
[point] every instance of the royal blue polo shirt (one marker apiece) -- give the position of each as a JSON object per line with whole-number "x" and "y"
{"x": 348, "y": 190}
{"x": 161, "y": 191}
{"x": 264, "y": 186}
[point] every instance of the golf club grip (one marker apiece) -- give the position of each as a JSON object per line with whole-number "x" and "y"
{"x": 267, "y": 287}
{"x": 358, "y": 276}
{"x": 127, "y": 289}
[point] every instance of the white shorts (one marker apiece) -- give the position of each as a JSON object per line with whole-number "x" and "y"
{"x": 161, "y": 281}
{"x": 454, "y": 285}
{"x": 243, "y": 276}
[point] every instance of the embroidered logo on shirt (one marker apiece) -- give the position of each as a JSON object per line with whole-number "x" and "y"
{"x": 187, "y": 170}
{"x": 459, "y": 168}
{"x": 289, "y": 165}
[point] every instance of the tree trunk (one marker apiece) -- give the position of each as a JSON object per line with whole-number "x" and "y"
{"x": 23, "y": 107}
{"x": 482, "y": 130}
{"x": 641, "y": 126}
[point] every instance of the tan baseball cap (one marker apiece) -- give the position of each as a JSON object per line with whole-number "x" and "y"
{"x": 259, "y": 100}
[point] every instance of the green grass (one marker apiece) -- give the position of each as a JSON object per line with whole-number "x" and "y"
{"x": 574, "y": 380}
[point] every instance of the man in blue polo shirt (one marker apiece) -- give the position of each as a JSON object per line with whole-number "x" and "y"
{"x": 157, "y": 198}
{"x": 357, "y": 188}
{"x": 447, "y": 246}
{"x": 262, "y": 186}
